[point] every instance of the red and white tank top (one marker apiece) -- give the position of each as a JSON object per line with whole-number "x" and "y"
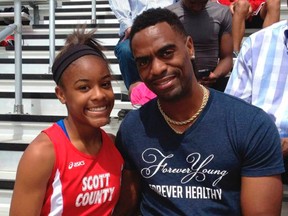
{"x": 81, "y": 184}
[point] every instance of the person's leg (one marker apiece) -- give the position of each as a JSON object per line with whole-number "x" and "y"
{"x": 270, "y": 12}
{"x": 127, "y": 64}
{"x": 241, "y": 10}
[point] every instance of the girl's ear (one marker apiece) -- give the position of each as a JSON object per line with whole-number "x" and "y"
{"x": 60, "y": 94}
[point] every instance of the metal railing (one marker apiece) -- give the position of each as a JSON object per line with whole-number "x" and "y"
{"x": 16, "y": 27}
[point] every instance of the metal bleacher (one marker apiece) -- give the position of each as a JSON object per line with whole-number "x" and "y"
{"x": 40, "y": 106}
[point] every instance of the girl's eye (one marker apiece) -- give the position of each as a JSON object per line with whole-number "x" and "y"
{"x": 107, "y": 85}
{"x": 83, "y": 88}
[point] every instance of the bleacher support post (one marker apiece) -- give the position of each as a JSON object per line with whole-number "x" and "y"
{"x": 36, "y": 16}
{"x": 18, "y": 106}
{"x": 93, "y": 11}
{"x": 51, "y": 34}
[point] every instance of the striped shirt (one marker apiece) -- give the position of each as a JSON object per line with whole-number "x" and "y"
{"x": 260, "y": 73}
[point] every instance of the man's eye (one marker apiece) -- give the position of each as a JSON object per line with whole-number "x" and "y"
{"x": 168, "y": 53}
{"x": 142, "y": 62}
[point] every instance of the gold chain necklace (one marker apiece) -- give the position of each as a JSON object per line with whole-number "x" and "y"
{"x": 176, "y": 131}
{"x": 171, "y": 121}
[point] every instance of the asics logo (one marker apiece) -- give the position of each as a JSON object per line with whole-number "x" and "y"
{"x": 76, "y": 164}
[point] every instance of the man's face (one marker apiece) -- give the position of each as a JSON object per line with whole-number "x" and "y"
{"x": 163, "y": 58}
{"x": 195, "y": 5}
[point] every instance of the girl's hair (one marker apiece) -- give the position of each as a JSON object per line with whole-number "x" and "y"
{"x": 78, "y": 44}
{"x": 81, "y": 37}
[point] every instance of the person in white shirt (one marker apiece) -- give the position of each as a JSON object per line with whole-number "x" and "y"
{"x": 126, "y": 11}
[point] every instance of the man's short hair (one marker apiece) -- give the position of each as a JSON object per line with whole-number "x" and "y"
{"x": 157, "y": 15}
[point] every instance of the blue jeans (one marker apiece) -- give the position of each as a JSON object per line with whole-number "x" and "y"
{"x": 127, "y": 64}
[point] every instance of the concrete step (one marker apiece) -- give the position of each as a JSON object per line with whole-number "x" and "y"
{"x": 23, "y": 128}
{"x": 113, "y": 23}
{"x": 84, "y": 3}
{"x": 47, "y": 104}
{"x": 43, "y": 86}
{"x": 38, "y": 68}
{"x": 35, "y": 52}
{"x": 5, "y": 199}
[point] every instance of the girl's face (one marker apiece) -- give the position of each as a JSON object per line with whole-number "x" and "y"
{"x": 86, "y": 91}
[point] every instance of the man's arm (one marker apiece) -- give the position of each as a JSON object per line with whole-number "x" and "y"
{"x": 261, "y": 195}
{"x": 225, "y": 59}
{"x": 128, "y": 203}
{"x": 225, "y": 63}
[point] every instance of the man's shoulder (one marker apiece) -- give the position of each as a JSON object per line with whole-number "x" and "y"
{"x": 238, "y": 110}
{"x": 227, "y": 102}
{"x": 219, "y": 12}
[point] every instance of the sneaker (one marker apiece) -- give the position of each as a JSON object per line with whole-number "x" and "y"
{"x": 122, "y": 113}
{"x": 8, "y": 41}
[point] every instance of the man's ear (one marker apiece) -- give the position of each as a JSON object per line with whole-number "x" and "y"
{"x": 60, "y": 94}
{"x": 190, "y": 47}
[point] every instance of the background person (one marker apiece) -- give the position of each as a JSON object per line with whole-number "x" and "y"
{"x": 73, "y": 167}
{"x": 260, "y": 77}
{"x": 126, "y": 11}
{"x": 249, "y": 13}
{"x": 210, "y": 25}
{"x": 196, "y": 151}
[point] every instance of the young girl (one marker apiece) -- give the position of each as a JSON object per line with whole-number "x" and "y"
{"x": 73, "y": 167}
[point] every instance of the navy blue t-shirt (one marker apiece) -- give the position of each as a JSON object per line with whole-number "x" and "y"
{"x": 199, "y": 172}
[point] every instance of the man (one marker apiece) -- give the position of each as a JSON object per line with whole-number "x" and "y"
{"x": 126, "y": 11}
{"x": 253, "y": 12}
{"x": 212, "y": 41}
{"x": 212, "y": 38}
{"x": 196, "y": 151}
{"x": 260, "y": 77}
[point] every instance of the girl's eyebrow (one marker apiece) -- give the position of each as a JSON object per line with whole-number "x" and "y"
{"x": 81, "y": 80}
{"x": 109, "y": 76}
